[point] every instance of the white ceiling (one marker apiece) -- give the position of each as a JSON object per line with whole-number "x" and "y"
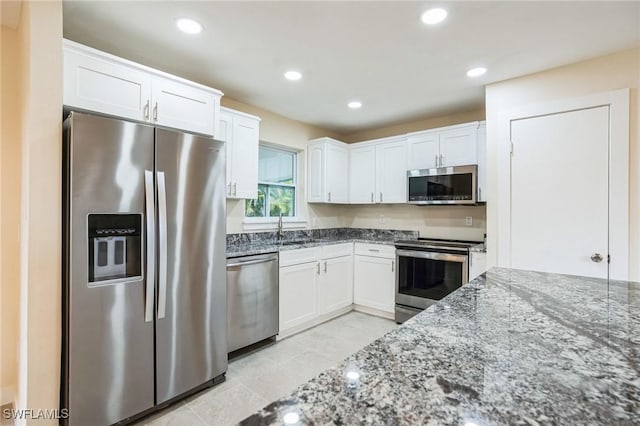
{"x": 377, "y": 52}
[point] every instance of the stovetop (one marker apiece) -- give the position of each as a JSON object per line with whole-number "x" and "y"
{"x": 437, "y": 244}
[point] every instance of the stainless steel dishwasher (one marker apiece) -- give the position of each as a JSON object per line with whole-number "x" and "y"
{"x": 252, "y": 299}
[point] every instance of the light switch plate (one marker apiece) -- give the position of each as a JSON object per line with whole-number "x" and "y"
{"x": 468, "y": 220}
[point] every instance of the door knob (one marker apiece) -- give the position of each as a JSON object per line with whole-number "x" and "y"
{"x": 596, "y": 257}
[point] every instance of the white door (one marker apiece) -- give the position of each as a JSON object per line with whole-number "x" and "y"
{"x": 362, "y": 175}
{"x": 315, "y": 173}
{"x": 337, "y": 173}
{"x": 244, "y": 164}
{"x": 458, "y": 146}
{"x": 335, "y": 287}
{"x": 391, "y": 172}
{"x": 298, "y": 303}
{"x": 559, "y": 192}
{"x": 374, "y": 282}
{"x": 423, "y": 150}
{"x": 182, "y": 106}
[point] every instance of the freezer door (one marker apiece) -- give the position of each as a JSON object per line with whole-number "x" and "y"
{"x": 108, "y": 371}
{"x": 191, "y": 314}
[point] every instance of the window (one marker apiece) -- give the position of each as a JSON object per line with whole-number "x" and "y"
{"x": 276, "y": 184}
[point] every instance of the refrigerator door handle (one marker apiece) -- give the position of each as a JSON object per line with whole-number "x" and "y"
{"x": 151, "y": 244}
{"x": 162, "y": 245}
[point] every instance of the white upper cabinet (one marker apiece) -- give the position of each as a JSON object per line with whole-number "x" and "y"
{"x": 182, "y": 106}
{"x": 423, "y": 151}
{"x": 327, "y": 171}
{"x": 362, "y": 174}
{"x": 444, "y": 147}
{"x": 241, "y": 132}
{"x": 391, "y": 171}
{"x": 100, "y": 82}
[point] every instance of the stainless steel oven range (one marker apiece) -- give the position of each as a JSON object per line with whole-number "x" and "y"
{"x": 428, "y": 270}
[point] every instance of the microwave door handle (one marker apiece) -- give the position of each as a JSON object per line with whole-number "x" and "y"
{"x": 162, "y": 245}
{"x": 151, "y": 246}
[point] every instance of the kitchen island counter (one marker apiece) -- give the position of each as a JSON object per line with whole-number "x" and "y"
{"x": 511, "y": 347}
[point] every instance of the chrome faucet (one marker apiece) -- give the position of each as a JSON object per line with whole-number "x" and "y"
{"x": 280, "y": 233}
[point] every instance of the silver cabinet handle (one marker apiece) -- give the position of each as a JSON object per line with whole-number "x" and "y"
{"x": 436, "y": 160}
{"x": 318, "y": 270}
{"x": 146, "y": 111}
{"x": 329, "y": 196}
{"x": 155, "y": 112}
{"x": 393, "y": 266}
{"x": 596, "y": 257}
{"x": 374, "y": 250}
{"x": 325, "y": 266}
{"x": 229, "y": 191}
{"x": 479, "y": 194}
{"x": 372, "y": 197}
{"x": 441, "y": 157}
{"x": 381, "y": 197}
{"x": 162, "y": 245}
{"x": 235, "y": 189}
{"x": 151, "y": 246}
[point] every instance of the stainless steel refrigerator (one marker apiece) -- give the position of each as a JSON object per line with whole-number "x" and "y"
{"x": 144, "y": 267}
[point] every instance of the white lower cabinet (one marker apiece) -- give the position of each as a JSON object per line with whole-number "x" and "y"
{"x": 335, "y": 286}
{"x": 316, "y": 284}
{"x": 374, "y": 277}
{"x": 297, "y": 295}
{"x": 478, "y": 264}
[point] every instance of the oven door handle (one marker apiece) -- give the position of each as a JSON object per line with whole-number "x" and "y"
{"x": 432, "y": 255}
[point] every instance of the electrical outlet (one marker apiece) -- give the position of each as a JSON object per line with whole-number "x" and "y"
{"x": 381, "y": 218}
{"x": 468, "y": 220}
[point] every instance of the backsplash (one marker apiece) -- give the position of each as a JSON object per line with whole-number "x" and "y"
{"x": 319, "y": 234}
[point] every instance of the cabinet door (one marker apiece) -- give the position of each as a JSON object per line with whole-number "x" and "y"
{"x": 226, "y": 135}
{"x": 335, "y": 286}
{"x": 478, "y": 264}
{"x": 374, "y": 282}
{"x": 362, "y": 175}
{"x": 337, "y": 173}
{"x": 458, "y": 146}
{"x": 182, "y": 106}
{"x": 105, "y": 86}
{"x": 297, "y": 294}
{"x": 391, "y": 172}
{"x": 244, "y": 161}
{"x": 423, "y": 151}
{"x": 315, "y": 173}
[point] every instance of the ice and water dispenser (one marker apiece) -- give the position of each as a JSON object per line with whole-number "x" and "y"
{"x": 115, "y": 247}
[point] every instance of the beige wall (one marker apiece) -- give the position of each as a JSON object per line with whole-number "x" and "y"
{"x": 32, "y": 139}
{"x": 10, "y": 175}
{"x": 283, "y": 131}
{"x": 615, "y": 71}
{"x": 439, "y": 222}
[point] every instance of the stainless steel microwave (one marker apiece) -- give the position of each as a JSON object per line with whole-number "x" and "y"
{"x": 443, "y": 185}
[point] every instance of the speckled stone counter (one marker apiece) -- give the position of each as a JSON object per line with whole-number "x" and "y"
{"x": 510, "y": 348}
{"x": 246, "y": 244}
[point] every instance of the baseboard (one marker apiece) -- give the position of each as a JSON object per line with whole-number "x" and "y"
{"x": 374, "y": 311}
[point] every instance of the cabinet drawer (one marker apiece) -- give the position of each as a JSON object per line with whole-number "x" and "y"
{"x": 298, "y": 256}
{"x": 375, "y": 250}
{"x": 337, "y": 250}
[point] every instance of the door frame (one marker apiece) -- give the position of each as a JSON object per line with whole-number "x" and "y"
{"x": 618, "y": 103}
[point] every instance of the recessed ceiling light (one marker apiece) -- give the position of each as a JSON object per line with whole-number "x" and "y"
{"x": 291, "y": 418}
{"x": 188, "y": 26}
{"x": 476, "y": 72}
{"x": 434, "y": 16}
{"x": 354, "y": 104}
{"x": 292, "y": 75}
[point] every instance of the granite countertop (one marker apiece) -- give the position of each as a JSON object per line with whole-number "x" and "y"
{"x": 511, "y": 347}
{"x": 266, "y": 242}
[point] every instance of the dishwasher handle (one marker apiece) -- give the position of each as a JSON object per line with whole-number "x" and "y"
{"x": 252, "y": 261}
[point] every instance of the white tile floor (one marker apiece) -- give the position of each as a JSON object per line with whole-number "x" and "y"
{"x": 263, "y": 376}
